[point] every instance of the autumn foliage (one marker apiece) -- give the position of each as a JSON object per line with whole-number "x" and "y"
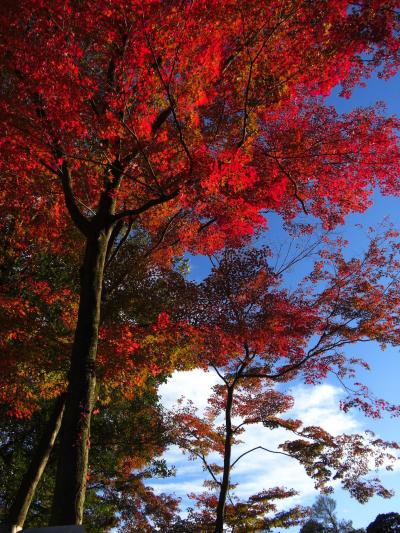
{"x": 227, "y": 123}
{"x": 136, "y": 131}
{"x": 261, "y": 335}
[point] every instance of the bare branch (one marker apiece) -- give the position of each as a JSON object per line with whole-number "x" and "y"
{"x": 208, "y": 467}
{"x": 220, "y": 375}
{"x": 259, "y": 448}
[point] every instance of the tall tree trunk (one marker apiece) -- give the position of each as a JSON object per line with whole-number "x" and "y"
{"x": 71, "y": 477}
{"x": 219, "y": 522}
{"x": 22, "y": 501}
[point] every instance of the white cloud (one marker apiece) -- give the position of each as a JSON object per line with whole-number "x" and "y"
{"x": 195, "y": 385}
{"x": 320, "y": 403}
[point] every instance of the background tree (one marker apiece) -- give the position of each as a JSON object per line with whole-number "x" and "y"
{"x": 323, "y": 512}
{"x": 38, "y": 302}
{"x": 385, "y": 523}
{"x": 127, "y": 440}
{"x": 312, "y": 526}
{"x": 113, "y": 116}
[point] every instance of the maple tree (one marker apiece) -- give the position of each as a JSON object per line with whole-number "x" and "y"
{"x": 115, "y": 120}
{"x": 258, "y": 334}
{"x": 127, "y": 437}
{"x": 124, "y": 366}
{"x": 38, "y": 302}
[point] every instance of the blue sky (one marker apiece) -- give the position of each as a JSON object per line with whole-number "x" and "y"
{"x": 321, "y": 402}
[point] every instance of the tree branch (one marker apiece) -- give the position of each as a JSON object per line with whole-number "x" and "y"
{"x": 120, "y": 244}
{"x": 207, "y": 466}
{"x": 163, "y": 233}
{"x": 295, "y": 186}
{"x": 80, "y": 221}
{"x": 170, "y": 99}
{"x": 146, "y": 206}
{"x": 259, "y": 448}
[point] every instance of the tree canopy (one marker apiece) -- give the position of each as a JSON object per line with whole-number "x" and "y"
{"x": 385, "y": 523}
{"x": 136, "y": 131}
